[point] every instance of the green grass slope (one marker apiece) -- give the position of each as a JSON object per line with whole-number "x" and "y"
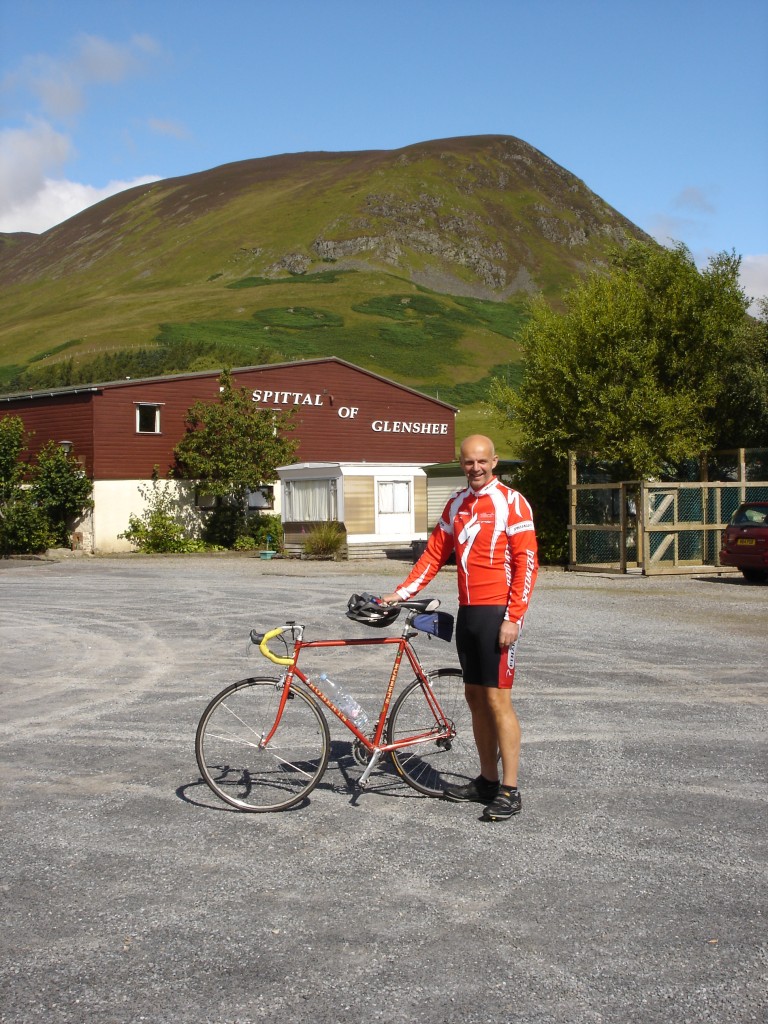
{"x": 415, "y": 263}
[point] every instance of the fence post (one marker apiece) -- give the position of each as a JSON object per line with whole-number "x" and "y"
{"x": 643, "y": 544}
{"x": 572, "y": 499}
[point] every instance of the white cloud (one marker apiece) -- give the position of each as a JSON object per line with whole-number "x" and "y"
{"x": 57, "y": 201}
{"x": 59, "y": 84}
{"x": 34, "y": 191}
{"x": 668, "y": 230}
{"x": 27, "y": 156}
{"x": 690, "y": 220}
{"x": 175, "y": 129}
{"x": 694, "y": 198}
{"x": 754, "y": 277}
{"x": 98, "y": 60}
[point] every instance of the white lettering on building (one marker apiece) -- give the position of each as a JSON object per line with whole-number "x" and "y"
{"x": 286, "y": 397}
{"x": 346, "y": 412}
{"x": 405, "y": 427}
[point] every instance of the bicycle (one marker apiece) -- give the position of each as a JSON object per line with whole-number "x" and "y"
{"x": 263, "y": 743}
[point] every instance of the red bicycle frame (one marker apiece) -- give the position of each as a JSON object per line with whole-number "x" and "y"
{"x": 373, "y": 744}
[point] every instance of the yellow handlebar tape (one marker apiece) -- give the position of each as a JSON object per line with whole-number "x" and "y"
{"x": 266, "y": 651}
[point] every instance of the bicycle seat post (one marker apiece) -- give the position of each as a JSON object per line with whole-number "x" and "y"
{"x": 408, "y": 631}
{"x": 376, "y": 756}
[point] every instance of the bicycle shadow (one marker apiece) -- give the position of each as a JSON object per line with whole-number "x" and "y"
{"x": 384, "y": 781}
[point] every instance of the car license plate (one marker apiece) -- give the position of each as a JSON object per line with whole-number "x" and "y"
{"x": 745, "y": 542}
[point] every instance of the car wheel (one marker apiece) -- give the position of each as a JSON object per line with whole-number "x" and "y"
{"x": 755, "y": 575}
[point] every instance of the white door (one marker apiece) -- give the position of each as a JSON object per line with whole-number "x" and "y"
{"x": 394, "y": 509}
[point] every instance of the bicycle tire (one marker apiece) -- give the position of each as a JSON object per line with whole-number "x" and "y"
{"x": 429, "y": 767}
{"x": 247, "y": 775}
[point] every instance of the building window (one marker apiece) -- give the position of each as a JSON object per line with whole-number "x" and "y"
{"x": 262, "y": 497}
{"x": 205, "y": 501}
{"x": 310, "y": 501}
{"x": 147, "y": 419}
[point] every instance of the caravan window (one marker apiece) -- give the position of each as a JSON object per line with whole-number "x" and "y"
{"x": 394, "y": 496}
{"x": 310, "y": 501}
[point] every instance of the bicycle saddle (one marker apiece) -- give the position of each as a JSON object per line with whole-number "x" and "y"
{"x": 421, "y": 604}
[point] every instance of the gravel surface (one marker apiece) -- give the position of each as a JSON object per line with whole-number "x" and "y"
{"x": 632, "y": 888}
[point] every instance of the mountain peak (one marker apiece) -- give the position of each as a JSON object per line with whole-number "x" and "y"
{"x": 487, "y": 218}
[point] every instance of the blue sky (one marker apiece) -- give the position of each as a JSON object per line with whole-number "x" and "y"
{"x": 661, "y": 106}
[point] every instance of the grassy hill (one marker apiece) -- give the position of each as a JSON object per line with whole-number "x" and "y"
{"x": 415, "y": 263}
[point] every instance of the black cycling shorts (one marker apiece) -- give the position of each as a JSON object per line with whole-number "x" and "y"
{"x": 482, "y": 661}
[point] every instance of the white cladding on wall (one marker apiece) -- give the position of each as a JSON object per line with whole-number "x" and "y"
{"x": 117, "y": 500}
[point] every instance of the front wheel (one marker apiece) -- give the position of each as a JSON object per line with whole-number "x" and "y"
{"x": 430, "y": 766}
{"x": 245, "y": 771}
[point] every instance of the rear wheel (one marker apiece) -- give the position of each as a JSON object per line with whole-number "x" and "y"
{"x": 755, "y": 575}
{"x": 430, "y": 766}
{"x": 237, "y": 765}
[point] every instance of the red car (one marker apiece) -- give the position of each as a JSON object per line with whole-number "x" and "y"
{"x": 745, "y": 541}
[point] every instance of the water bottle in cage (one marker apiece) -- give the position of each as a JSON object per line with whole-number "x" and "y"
{"x": 344, "y": 701}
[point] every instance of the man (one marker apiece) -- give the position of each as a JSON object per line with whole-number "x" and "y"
{"x": 490, "y": 528}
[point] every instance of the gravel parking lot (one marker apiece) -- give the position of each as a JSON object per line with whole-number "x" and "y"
{"x": 632, "y": 888}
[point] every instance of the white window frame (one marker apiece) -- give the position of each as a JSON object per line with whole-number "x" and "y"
{"x": 382, "y": 488}
{"x": 262, "y": 497}
{"x": 141, "y": 407}
{"x": 299, "y": 497}
{"x": 204, "y": 500}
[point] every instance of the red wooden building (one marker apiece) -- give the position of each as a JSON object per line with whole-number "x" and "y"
{"x": 351, "y": 424}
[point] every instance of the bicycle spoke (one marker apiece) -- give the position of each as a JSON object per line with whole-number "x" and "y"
{"x": 429, "y": 766}
{"x": 255, "y": 776}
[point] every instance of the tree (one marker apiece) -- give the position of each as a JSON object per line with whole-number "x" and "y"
{"x": 232, "y": 447}
{"x": 743, "y": 406}
{"x": 12, "y": 445}
{"x": 22, "y": 527}
{"x": 39, "y": 515}
{"x": 637, "y": 369}
{"x": 60, "y": 489}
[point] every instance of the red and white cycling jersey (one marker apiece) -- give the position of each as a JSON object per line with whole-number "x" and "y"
{"x": 492, "y": 533}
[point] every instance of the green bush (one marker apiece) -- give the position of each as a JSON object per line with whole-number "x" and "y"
{"x": 224, "y": 525}
{"x": 266, "y": 530}
{"x": 324, "y": 541}
{"x": 24, "y": 527}
{"x": 155, "y": 532}
{"x": 245, "y": 544}
{"x": 158, "y": 529}
{"x": 37, "y": 516}
{"x": 228, "y": 527}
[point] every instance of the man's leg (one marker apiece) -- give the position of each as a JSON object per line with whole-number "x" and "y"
{"x": 496, "y": 731}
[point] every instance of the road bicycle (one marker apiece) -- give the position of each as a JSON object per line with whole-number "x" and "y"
{"x": 263, "y": 743}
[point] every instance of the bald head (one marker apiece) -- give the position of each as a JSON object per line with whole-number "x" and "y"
{"x": 475, "y": 440}
{"x": 478, "y": 460}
